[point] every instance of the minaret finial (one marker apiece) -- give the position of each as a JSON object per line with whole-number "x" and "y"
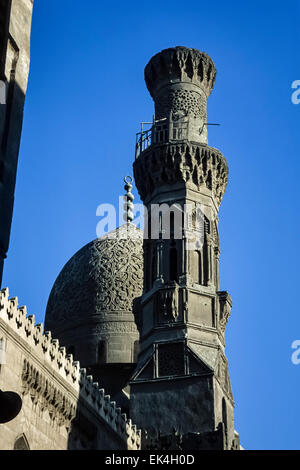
{"x": 128, "y": 198}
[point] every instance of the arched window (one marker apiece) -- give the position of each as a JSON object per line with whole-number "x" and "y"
{"x": 173, "y": 269}
{"x": 205, "y": 264}
{"x": 172, "y": 223}
{"x": 21, "y": 443}
{"x": 196, "y": 266}
{"x": 206, "y": 225}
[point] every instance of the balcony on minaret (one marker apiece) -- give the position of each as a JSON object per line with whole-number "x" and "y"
{"x": 178, "y": 128}
{"x": 156, "y": 134}
{"x": 179, "y": 81}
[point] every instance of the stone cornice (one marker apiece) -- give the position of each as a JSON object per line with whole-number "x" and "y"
{"x": 198, "y": 166}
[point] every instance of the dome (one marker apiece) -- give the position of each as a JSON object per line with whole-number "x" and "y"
{"x": 91, "y": 305}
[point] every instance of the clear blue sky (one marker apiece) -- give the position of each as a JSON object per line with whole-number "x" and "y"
{"x": 86, "y": 97}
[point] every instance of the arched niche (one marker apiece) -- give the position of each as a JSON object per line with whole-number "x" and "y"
{"x": 21, "y": 443}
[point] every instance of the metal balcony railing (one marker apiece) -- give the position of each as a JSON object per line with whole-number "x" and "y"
{"x": 158, "y": 132}
{"x": 143, "y": 141}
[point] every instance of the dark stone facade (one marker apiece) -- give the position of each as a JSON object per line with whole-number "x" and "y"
{"x": 15, "y": 25}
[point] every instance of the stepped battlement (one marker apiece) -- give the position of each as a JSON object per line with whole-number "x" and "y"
{"x": 64, "y": 370}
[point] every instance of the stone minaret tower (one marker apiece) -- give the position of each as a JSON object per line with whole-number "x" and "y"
{"x": 181, "y": 382}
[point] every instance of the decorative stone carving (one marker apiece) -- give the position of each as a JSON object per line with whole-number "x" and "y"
{"x": 171, "y": 359}
{"x": 167, "y": 305}
{"x": 180, "y": 80}
{"x": 106, "y": 275}
{"x": 180, "y": 64}
{"x": 60, "y": 408}
{"x": 97, "y": 291}
{"x": 45, "y": 388}
{"x": 180, "y": 103}
{"x": 196, "y": 165}
{"x": 116, "y": 327}
{"x": 225, "y": 308}
{"x": 178, "y": 166}
{"x": 216, "y": 238}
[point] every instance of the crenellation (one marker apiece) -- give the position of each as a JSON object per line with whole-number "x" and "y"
{"x": 38, "y": 333}
{"x": 75, "y": 370}
{"x": 113, "y": 407}
{"x": 46, "y": 342}
{"x": 47, "y": 393}
{"x": 61, "y": 356}
{"x": 21, "y": 314}
{"x": 53, "y": 350}
{"x": 95, "y": 389}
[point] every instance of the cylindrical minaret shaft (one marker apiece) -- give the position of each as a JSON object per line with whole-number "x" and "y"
{"x": 180, "y": 81}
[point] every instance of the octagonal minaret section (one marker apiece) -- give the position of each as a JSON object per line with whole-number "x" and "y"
{"x": 180, "y": 80}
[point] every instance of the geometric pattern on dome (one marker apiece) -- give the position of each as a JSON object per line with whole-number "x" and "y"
{"x": 104, "y": 276}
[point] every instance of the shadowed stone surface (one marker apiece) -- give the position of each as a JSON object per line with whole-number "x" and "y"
{"x": 91, "y": 306}
{"x": 15, "y": 26}
{"x": 95, "y": 291}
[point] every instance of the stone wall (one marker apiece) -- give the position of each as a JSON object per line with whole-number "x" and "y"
{"x": 62, "y": 407}
{"x": 15, "y": 27}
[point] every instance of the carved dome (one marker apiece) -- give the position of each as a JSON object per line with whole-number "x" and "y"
{"x": 90, "y": 307}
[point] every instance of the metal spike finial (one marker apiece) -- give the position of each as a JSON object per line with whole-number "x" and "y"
{"x": 128, "y": 198}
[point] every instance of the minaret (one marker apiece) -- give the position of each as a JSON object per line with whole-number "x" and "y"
{"x": 181, "y": 382}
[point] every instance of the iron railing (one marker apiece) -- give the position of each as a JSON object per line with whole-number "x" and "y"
{"x": 143, "y": 141}
{"x": 158, "y": 132}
